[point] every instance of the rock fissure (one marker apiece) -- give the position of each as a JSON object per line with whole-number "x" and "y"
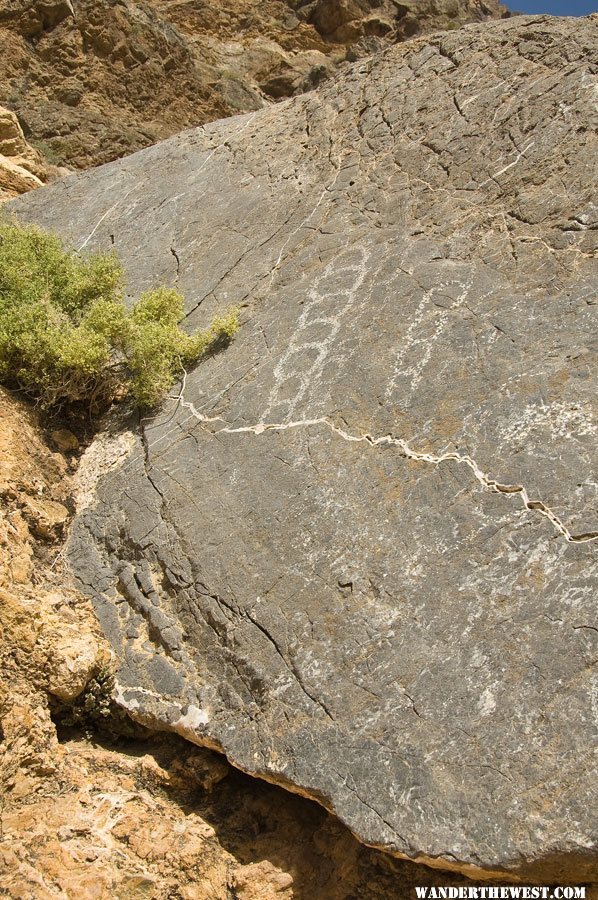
{"x": 289, "y": 665}
{"x": 487, "y": 481}
{"x": 178, "y": 263}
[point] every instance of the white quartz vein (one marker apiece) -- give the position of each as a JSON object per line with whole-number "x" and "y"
{"x": 487, "y": 481}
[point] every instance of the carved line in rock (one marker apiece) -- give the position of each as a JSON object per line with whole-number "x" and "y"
{"x": 416, "y": 371}
{"x": 487, "y": 481}
{"x": 282, "y": 371}
{"x": 506, "y": 168}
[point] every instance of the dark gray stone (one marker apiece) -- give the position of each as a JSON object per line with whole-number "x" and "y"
{"x": 401, "y": 627}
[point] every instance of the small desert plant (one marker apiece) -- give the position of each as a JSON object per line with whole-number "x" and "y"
{"x": 96, "y": 711}
{"x": 47, "y": 151}
{"x": 67, "y": 336}
{"x": 93, "y": 704}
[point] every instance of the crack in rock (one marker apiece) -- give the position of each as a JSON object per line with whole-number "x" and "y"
{"x": 487, "y": 481}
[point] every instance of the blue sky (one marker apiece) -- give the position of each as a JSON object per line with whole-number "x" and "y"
{"x": 554, "y": 7}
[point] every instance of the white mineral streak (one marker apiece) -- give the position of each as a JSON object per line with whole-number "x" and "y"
{"x": 487, "y": 481}
{"x": 193, "y": 718}
{"x": 106, "y": 453}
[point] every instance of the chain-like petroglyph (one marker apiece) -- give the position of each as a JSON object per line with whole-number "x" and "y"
{"x": 415, "y": 372}
{"x": 341, "y": 280}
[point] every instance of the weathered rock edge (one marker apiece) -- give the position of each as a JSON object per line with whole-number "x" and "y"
{"x": 400, "y": 639}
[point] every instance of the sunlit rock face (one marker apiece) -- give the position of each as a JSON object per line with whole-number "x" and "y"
{"x": 22, "y": 168}
{"x": 94, "y": 80}
{"x": 354, "y": 550}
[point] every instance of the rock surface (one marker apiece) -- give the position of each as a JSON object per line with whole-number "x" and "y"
{"x": 90, "y": 817}
{"x": 93, "y": 80}
{"x": 355, "y": 551}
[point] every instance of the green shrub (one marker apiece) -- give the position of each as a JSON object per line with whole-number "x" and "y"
{"x": 66, "y": 335}
{"x": 48, "y": 152}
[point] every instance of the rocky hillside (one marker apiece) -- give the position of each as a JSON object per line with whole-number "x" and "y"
{"x": 354, "y": 551}
{"x": 92, "y": 81}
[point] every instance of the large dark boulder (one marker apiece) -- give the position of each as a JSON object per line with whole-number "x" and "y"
{"x": 354, "y": 551}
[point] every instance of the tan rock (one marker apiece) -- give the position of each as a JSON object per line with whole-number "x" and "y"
{"x": 21, "y": 568}
{"x": 261, "y": 881}
{"x": 16, "y": 179}
{"x": 65, "y": 440}
{"x": 19, "y": 624}
{"x": 45, "y": 517}
{"x": 74, "y": 658}
{"x": 21, "y": 167}
{"x": 13, "y": 144}
{"x": 116, "y": 77}
{"x": 199, "y": 767}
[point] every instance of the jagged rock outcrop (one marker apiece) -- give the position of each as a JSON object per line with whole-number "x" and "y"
{"x": 355, "y": 551}
{"x": 350, "y": 20}
{"x": 22, "y": 168}
{"x": 92, "y": 81}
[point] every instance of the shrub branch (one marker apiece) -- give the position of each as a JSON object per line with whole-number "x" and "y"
{"x": 67, "y": 336}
